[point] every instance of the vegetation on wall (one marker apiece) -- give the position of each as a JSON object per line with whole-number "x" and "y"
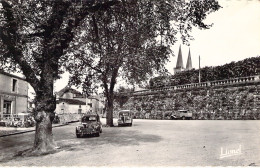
{"x": 246, "y": 67}
{"x": 241, "y": 102}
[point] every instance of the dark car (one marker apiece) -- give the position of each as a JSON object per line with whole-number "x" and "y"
{"x": 125, "y": 117}
{"x": 90, "y": 125}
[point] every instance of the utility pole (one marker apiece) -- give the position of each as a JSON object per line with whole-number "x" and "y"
{"x": 199, "y": 68}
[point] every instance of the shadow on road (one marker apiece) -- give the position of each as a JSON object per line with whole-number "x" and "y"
{"x": 67, "y": 141}
{"x": 115, "y": 137}
{"x": 129, "y": 138}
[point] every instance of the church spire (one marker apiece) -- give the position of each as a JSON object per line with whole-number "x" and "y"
{"x": 179, "y": 64}
{"x": 189, "y": 64}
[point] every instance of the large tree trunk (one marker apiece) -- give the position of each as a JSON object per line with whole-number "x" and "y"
{"x": 44, "y": 142}
{"x": 44, "y": 115}
{"x": 109, "y": 116}
{"x": 110, "y": 97}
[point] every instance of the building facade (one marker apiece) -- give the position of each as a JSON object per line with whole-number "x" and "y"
{"x": 13, "y": 95}
{"x": 94, "y": 105}
{"x": 70, "y": 101}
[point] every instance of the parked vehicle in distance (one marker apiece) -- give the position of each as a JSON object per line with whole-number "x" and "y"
{"x": 90, "y": 125}
{"x": 181, "y": 114}
{"x": 125, "y": 117}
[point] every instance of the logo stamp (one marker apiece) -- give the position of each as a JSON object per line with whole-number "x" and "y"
{"x": 227, "y": 152}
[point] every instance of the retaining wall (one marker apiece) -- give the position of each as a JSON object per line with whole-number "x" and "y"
{"x": 237, "y": 99}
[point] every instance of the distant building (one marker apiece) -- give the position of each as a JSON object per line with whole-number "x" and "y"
{"x": 95, "y": 105}
{"x": 189, "y": 63}
{"x": 179, "y": 65}
{"x": 69, "y": 100}
{"x": 13, "y": 95}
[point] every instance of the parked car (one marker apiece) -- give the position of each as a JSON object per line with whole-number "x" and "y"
{"x": 90, "y": 125}
{"x": 125, "y": 117}
{"x": 181, "y": 114}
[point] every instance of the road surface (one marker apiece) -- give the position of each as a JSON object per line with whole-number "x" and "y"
{"x": 146, "y": 143}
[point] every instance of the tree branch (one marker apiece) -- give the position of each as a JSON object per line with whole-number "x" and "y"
{"x": 10, "y": 38}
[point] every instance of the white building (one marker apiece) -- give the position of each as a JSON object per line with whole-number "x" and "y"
{"x": 71, "y": 101}
{"x": 13, "y": 95}
{"x": 94, "y": 105}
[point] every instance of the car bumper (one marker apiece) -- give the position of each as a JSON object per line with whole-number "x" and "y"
{"x": 124, "y": 123}
{"x": 87, "y": 131}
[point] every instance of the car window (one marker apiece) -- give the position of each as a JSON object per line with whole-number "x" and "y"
{"x": 89, "y": 118}
{"x": 124, "y": 114}
{"x": 92, "y": 118}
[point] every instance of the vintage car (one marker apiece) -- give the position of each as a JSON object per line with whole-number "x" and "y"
{"x": 125, "y": 117}
{"x": 90, "y": 125}
{"x": 181, "y": 114}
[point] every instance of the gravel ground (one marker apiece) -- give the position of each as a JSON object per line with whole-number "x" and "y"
{"x": 146, "y": 143}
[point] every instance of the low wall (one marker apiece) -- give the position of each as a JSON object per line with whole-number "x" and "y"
{"x": 65, "y": 118}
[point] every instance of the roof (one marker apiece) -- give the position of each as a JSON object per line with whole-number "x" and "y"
{"x": 189, "y": 64}
{"x": 71, "y": 101}
{"x": 68, "y": 89}
{"x": 179, "y": 60}
{"x": 90, "y": 115}
{"x": 124, "y": 111}
{"x": 11, "y": 75}
{"x": 93, "y": 97}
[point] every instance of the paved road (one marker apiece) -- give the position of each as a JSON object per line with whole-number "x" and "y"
{"x": 147, "y": 143}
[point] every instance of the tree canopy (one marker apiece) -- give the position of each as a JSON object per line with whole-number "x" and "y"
{"x": 34, "y": 36}
{"x": 128, "y": 38}
{"x": 131, "y": 40}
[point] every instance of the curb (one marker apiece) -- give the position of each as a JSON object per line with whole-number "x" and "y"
{"x": 22, "y": 132}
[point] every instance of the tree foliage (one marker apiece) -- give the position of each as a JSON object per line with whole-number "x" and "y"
{"x": 121, "y": 96}
{"x": 33, "y": 38}
{"x": 131, "y": 40}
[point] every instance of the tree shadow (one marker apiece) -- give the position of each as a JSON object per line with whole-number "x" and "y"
{"x": 25, "y": 154}
{"x": 117, "y": 136}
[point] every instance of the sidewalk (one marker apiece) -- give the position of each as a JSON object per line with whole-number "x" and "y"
{"x": 7, "y": 131}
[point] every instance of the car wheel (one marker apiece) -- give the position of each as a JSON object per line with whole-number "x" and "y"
{"x": 130, "y": 124}
{"x": 77, "y": 134}
{"x": 97, "y": 134}
{"x": 183, "y": 118}
{"x": 100, "y": 130}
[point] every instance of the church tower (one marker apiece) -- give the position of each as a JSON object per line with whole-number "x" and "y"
{"x": 189, "y": 64}
{"x": 179, "y": 66}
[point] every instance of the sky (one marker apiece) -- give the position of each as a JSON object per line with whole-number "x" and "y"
{"x": 234, "y": 36}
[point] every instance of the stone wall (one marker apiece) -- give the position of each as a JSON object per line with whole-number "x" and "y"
{"x": 240, "y": 101}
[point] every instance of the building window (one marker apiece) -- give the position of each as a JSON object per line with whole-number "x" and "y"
{"x": 14, "y": 88}
{"x": 7, "y": 107}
